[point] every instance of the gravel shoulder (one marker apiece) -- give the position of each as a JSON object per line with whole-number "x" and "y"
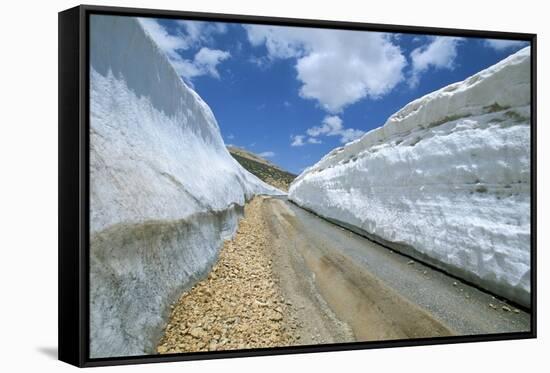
{"x": 239, "y": 305}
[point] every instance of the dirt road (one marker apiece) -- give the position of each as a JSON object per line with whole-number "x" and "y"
{"x": 290, "y": 278}
{"x": 378, "y": 293}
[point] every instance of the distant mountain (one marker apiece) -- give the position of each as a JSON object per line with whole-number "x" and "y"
{"x": 262, "y": 168}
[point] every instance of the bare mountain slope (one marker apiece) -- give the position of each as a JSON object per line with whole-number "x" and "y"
{"x": 262, "y": 168}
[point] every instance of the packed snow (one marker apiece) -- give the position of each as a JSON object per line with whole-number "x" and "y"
{"x": 446, "y": 180}
{"x": 164, "y": 191}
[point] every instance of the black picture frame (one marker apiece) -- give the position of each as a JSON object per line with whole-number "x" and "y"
{"x": 73, "y": 248}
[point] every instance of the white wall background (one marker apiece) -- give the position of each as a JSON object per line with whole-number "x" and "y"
{"x": 28, "y": 194}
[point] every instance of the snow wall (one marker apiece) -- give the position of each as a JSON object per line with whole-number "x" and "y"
{"x": 445, "y": 180}
{"x": 164, "y": 191}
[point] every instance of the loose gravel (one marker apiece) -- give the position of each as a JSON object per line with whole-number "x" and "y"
{"x": 239, "y": 305}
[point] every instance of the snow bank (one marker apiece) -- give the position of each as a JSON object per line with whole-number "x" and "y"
{"x": 164, "y": 191}
{"x": 446, "y": 180}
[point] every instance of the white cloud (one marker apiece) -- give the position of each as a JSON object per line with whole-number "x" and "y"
{"x": 313, "y": 140}
{"x": 336, "y": 68}
{"x": 332, "y": 125}
{"x": 202, "y": 31}
{"x": 281, "y": 42}
{"x": 267, "y": 154}
{"x": 439, "y": 53}
{"x": 204, "y": 62}
{"x": 207, "y": 59}
{"x": 262, "y": 62}
{"x": 297, "y": 140}
{"x": 230, "y": 136}
{"x": 168, "y": 43}
{"x": 350, "y": 134}
{"x": 500, "y": 45}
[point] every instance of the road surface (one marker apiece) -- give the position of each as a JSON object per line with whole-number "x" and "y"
{"x": 344, "y": 287}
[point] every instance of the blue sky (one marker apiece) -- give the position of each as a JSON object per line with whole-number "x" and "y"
{"x": 294, "y": 94}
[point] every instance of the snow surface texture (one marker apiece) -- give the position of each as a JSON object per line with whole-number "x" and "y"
{"x": 445, "y": 180}
{"x": 164, "y": 191}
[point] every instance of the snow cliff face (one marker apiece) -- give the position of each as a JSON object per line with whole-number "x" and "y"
{"x": 446, "y": 180}
{"x": 164, "y": 191}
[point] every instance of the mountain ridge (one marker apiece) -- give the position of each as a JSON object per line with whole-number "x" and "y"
{"x": 265, "y": 170}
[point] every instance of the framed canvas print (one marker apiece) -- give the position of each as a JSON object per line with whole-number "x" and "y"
{"x": 234, "y": 186}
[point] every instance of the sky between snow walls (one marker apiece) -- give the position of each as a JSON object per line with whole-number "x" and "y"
{"x": 292, "y": 94}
